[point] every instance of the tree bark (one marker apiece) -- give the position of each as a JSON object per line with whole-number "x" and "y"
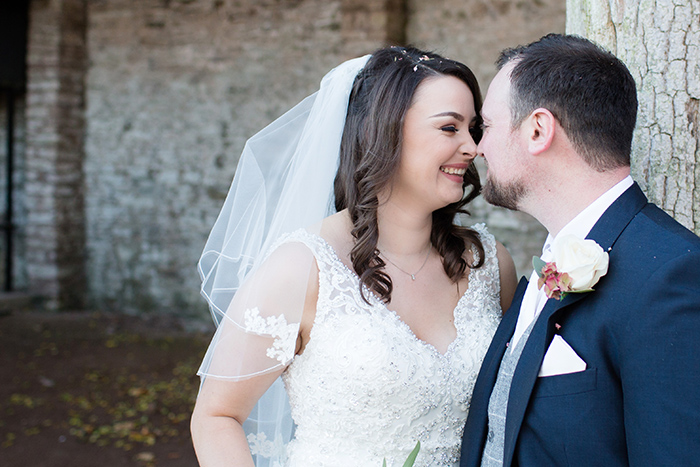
{"x": 659, "y": 40}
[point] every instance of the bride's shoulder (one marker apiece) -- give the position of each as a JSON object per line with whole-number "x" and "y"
{"x": 324, "y": 240}
{"x": 336, "y": 231}
{"x": 336, "y": 227}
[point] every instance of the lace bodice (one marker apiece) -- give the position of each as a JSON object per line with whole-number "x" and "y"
{"x": 366, "y": 388}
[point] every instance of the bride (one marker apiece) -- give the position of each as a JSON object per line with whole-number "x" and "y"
{"x": 338, "y": 263}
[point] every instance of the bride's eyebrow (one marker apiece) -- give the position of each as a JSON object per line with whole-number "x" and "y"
{"x": 455, "y": 115}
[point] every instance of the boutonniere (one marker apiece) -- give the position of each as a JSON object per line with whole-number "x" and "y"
{"x": 576, "y": 267}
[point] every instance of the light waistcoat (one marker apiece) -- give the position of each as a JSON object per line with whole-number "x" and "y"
{"x": 498, "y": 404}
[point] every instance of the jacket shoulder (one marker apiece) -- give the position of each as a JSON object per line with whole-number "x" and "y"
{"x": 675, "y": 236}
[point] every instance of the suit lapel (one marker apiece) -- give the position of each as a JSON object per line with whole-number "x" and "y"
{"x": 605, "y": 232}
{"x": 503, "y": 334}
{"x": 477, "y": 421}
{"x": 528, "y": 368}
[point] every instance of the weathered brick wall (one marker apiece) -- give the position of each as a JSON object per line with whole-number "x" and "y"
{"x": 172, "y": 91}
{"x": 55, "y": 230}
{"x": 474, "y": 32}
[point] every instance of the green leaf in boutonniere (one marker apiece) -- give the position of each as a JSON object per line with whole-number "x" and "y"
{"x": 556, "y": 283}
{"x": 538, "y": 265}
{"x": 411, "y": 459}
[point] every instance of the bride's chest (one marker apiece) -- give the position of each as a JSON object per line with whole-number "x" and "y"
{"x": 362, "y": 346}
{"x": 366, "y": 350}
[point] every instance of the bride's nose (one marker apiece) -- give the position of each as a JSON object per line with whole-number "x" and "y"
{"x": 468, "y": 147}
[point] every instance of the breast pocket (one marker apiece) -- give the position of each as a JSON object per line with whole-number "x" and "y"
{"x": 568, "y": 384}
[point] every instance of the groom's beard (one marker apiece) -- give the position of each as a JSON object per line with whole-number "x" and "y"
{"x": 503, "y": 195}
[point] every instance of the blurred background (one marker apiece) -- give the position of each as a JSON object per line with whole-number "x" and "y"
{"x": 121, "y": 124}
{"x": 128, "y": 117}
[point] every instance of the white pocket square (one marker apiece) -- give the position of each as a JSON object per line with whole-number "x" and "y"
{"x": 560, "y": 359}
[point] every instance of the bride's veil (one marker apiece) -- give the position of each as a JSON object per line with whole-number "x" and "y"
{"x": 283, "y": 182}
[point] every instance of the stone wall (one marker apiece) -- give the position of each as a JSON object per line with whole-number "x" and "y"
{"x": 172, "y": 89}
{"x": 55, "y": 228}
{"x": 475, "y": 31}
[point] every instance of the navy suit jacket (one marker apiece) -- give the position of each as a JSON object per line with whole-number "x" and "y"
{"x": 638, "y": 401}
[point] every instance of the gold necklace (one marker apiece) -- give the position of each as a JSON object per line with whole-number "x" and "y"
{"x": 413, "y": 276}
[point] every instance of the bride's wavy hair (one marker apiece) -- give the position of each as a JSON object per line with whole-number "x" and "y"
{"x": 369, "y": 156}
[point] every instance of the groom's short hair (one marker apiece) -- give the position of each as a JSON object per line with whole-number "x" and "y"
{"x": 589, "y": 91}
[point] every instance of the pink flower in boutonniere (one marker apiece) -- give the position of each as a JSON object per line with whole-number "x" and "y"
{"x": 577, "y": 266}
{"x": 555, "y": 283}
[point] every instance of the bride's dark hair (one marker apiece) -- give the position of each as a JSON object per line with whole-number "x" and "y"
{"x": 369, "y": 155}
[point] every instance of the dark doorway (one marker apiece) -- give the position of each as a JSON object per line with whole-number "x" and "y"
{"x": 13, "y": 78}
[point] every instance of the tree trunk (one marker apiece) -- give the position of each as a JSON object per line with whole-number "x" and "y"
{"x": 659, "y": 40}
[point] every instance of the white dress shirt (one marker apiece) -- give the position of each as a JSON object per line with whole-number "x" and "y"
{"x": 534, "y": 298}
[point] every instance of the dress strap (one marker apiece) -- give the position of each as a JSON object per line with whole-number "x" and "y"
{"x": 489, "y": 273}
{"x": 488, "y": 241}
{"x": 318, "y": 246}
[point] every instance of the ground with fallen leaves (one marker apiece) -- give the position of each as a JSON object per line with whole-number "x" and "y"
{"x": 89, "y": 389}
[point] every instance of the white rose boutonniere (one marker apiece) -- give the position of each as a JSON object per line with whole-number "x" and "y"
{"x": 577, "y": 266}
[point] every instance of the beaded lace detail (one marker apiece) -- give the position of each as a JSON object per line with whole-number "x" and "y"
{"x": 259, "y": 444}
{"x": 366, "y": 388}
{"x": 276, "y": 326}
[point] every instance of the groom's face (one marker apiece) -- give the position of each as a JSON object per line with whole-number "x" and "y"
{"x": 500, "y": 146}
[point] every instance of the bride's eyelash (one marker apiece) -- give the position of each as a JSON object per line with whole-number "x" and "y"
{"x": 450, "y": 128}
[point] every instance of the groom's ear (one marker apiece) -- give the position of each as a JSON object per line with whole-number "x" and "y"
{"x": 540, "y": 126}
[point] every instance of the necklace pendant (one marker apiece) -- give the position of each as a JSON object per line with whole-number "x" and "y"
{"x": 413, "y": 276}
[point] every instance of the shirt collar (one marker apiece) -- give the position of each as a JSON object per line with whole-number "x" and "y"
{"x": 582, "y": 224}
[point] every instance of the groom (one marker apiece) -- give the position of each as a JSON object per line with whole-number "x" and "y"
{"x": 608, "y": 377}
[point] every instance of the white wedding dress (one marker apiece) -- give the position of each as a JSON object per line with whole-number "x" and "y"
{"x": 366, "y": 388}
